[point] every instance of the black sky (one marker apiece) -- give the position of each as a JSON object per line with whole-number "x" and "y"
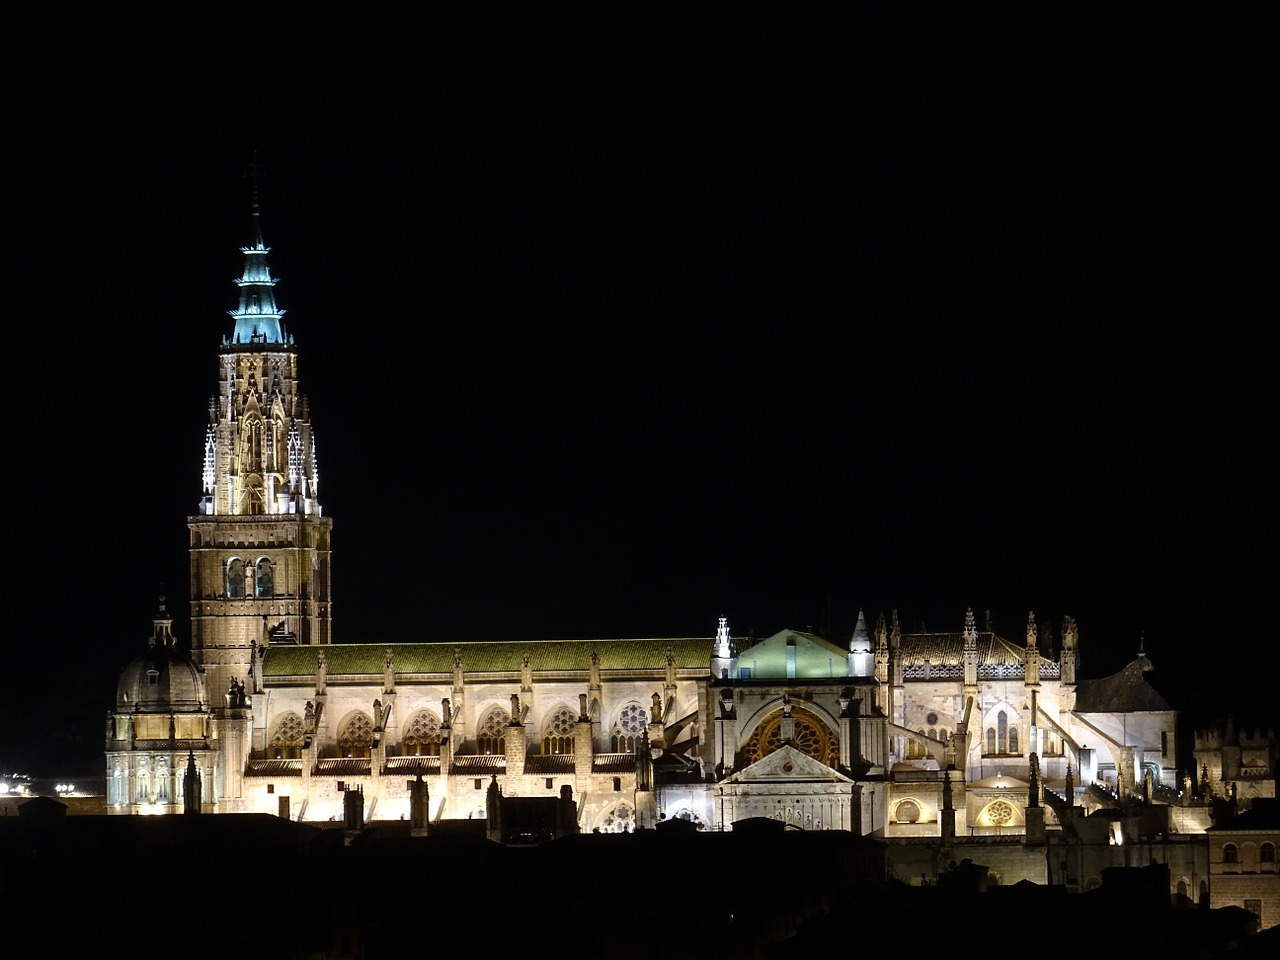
{"x": 613, "y": 338}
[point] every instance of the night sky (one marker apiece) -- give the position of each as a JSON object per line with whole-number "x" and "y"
{"x": 614, "y": 338}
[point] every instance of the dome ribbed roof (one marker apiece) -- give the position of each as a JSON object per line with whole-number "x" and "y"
{"x": 162, "y": 680}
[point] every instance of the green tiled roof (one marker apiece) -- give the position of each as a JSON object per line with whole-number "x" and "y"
{"x": 691, "y": 653}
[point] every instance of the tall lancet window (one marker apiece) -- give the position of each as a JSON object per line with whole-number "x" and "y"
{"x": 264, "y": 582}
{"x": 235, "y": 579}
{"x": 253, "y": 442}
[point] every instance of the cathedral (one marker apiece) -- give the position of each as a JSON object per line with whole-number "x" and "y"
{"x": 964, "y": 735}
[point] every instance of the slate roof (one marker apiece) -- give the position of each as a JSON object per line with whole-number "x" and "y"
{"x": 1125, "y": 692}
{"x": 546, "y": 656}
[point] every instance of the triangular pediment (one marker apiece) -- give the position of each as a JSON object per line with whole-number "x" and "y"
{"x": 787, "y": 765}
{"x": 794, "y": 654}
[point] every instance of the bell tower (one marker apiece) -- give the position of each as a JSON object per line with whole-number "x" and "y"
{"x": 259, "y": 543}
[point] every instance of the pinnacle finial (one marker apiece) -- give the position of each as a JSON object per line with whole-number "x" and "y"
{"x": 860, "y": 632}
{"x": 723, "y": 645}
{"x": 257, "y": 318}
{"x": 970, "y": 630}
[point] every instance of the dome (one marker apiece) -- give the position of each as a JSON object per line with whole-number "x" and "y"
{"x": 162, "y": 680}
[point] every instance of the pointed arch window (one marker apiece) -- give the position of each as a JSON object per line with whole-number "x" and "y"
{"x": 557, "y": 735}
{"x": 264, "y": 578}
{"x": 1002, "y": 739}
{"x": 286, "y": 738}
{"x": 629, "y": 728}
{"x": 235, "y": 579}
{"x": 621, "y": 819}
{"x": 356, "y": 736}
{"x": 254, "y": 503}
{"x": 491, "y": 735}
{"x": 422, "y": 735}
{"x": 253, "y": 441}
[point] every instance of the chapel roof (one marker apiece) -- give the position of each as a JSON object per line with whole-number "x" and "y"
{"x": 1126, "y": 691}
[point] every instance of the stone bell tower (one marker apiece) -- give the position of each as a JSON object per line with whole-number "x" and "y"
{"x": 259, "y": 543}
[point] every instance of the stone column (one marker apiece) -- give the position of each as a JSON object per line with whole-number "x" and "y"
{"x": 515, "y": 746}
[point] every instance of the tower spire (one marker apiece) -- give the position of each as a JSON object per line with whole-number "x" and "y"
{"x": 257, "y": 318}
{"x": 861, "y": 656}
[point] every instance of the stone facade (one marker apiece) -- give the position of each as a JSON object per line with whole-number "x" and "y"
{"x": 1242, "y": 862}
{"x": 925, "y": 738}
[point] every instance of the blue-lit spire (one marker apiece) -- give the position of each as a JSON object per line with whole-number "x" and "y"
{"x": 257, "y": 318}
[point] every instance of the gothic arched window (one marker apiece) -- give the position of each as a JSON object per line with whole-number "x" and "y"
{"x": 253, "y": 437}
{"x": 628, "y": 729}
{"x": 1002, "y": 732}
{"x": 235, "y": 579}
{"x": 254, "y": 503}
{"x": 991, "y": 741}
{"x": 491, "y": 735}
{"x": 557, "y": 735}
{"x": 1013, "y": 740}
{"x": 621, "y": 819}
{"x": 286, "y": 738}
{"x": 264, "y": 578}
{"x": 422, "y": 735}
{"x": 356, "y": 736}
